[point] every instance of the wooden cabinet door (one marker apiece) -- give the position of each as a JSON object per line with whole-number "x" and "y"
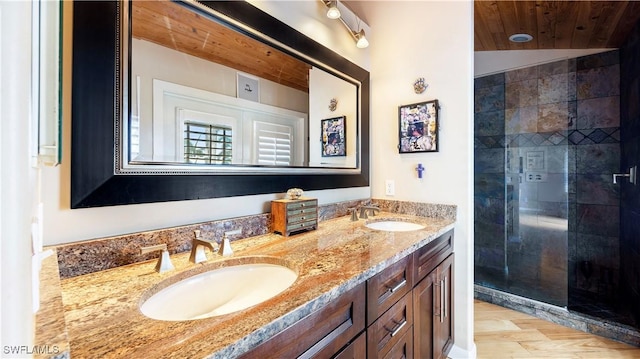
{"x": 433, "y": 312}
{"x": 443, "y": 328}
{"x": 424, "y": 295}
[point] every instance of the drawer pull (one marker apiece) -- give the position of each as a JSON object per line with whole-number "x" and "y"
{"x": 398, "y": 286}
{"x": 397, "y": 330}
{"x": 446, "y": 296}
{"x": 442, "y": 300}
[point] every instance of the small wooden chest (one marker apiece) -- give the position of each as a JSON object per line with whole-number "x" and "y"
{"x": 291, "y": 216}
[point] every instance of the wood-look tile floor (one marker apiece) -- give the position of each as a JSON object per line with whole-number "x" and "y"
{"x": 505, "y": 333}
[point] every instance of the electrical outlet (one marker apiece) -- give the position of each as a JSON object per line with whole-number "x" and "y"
{"x": 389, "y": 187}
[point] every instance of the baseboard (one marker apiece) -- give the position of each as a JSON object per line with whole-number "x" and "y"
{"x": 457, "y": 352}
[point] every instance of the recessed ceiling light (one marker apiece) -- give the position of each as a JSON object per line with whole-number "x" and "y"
{"x": 520, "y": 38}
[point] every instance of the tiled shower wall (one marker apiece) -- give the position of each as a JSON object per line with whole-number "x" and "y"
{"x": 564, "y": 114}
{"x": 630, "y": 203}
{"x": 489, "y": 172}
{"x": 594, "y": 219}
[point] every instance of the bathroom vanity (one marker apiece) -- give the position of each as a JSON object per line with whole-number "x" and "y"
{"x": 402, "y": 312}
{"x": 360, "y": 293}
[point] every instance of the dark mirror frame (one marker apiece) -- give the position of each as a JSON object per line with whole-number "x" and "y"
{"x": 95, "y": 79}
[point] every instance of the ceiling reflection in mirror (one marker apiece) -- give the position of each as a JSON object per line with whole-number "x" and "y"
{"x": 206, "y": 97}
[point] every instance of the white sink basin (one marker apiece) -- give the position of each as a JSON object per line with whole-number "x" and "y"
{"x": 219, "y": 291}
{"x": 394, "y": 226}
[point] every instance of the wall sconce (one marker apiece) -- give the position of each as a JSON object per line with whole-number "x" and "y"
{"x": 334, "y": 13}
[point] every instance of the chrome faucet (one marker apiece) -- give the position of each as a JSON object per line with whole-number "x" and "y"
{"x": 164, "y": 261}
{"x": 364, "y": 209}
{"x": 197, "y": 248}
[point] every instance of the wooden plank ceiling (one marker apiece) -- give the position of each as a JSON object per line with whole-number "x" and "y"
{"x": 553, "y": 24}
{"x": 171, "y": 25}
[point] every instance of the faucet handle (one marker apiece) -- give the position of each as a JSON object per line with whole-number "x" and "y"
{"x": 225, "y": 246}
{"x": 354, "y": 214}
{"x": 164, "y": 261}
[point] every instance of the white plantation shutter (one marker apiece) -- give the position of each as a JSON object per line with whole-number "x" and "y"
{"x": 274, "y": 144}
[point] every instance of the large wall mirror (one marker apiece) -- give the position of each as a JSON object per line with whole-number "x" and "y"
{"x": 189, "y": 100}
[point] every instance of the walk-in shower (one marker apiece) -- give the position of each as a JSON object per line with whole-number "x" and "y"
{"x": 548, "y": 140}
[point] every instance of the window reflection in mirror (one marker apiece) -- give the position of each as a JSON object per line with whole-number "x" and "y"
{"x": 202, "y": 93}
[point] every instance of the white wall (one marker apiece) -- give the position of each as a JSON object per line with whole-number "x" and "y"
{"x": 489, "y": 62}
{"x": 408, "y": 41}
{"x": 18, "y": 180}
{"x": 63, "y": 225}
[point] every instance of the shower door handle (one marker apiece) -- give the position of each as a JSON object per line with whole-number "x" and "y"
{"x": 632, "y": 175}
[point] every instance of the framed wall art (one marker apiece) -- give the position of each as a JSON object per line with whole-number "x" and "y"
{"x": 334, "y": 141}
{"x": 418, "y": 124}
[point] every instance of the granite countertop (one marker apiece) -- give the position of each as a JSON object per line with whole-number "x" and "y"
{"x": 103, "y": 319}
{"x": 51, "y": 333}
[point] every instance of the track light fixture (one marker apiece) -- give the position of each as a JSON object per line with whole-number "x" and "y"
{"x": 332, "y": 9}
{"x": 361, "y": 40}
{"x": 334, "y": 13}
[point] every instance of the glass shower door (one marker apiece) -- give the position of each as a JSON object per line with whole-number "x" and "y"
{"x": 522, "y": 125}
{"x": 537, "y": 220}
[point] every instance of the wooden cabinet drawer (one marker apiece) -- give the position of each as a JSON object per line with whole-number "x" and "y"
{"x": 357, "y": 349}
{"x": 387, "y": 331}
{"x": 429, "y": 256}
{"x": 292, "y": 227}
{"x": 294, "y": 205}
{"x": 300, "y": 215}
{"x": 322, "y": 333}
{"x": 297, "y": 206}
{"x": 403, "y": 349}
{"x": 386, "y": 287}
